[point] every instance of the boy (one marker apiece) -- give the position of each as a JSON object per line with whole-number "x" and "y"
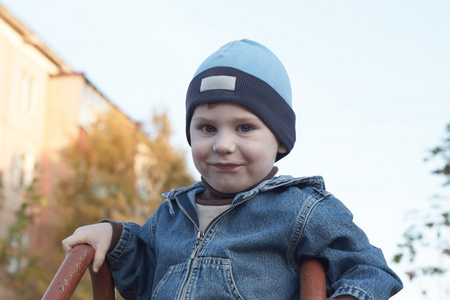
{"x": 240, "y": 233}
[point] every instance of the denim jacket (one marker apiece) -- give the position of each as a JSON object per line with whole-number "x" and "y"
{"x": 252, "y": 250}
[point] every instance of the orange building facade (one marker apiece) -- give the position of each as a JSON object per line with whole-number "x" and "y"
{"x": 44, "y": 105}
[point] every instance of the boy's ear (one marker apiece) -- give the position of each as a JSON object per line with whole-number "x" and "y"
{"x": 282, "y": 148}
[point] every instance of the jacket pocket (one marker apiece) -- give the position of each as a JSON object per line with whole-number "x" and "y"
{"x": 206, "y": 278}
{"x": 168, "y": 286}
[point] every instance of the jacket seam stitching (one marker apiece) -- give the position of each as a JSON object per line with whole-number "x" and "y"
{"x": 299, "y": 228}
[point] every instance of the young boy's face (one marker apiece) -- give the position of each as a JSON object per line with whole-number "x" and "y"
{"x": 231, "y": 147}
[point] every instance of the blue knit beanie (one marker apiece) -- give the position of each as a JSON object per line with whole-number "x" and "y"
{"x": 246, "y": 73}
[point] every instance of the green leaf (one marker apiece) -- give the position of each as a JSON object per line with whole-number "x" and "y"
{"x": 398, "y": 258}
{"x": 436, "y": 150}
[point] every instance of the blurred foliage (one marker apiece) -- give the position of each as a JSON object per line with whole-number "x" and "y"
{"x": 425, "y": 249}
{"x": 114, "y": 170}
{"x": 119, "y": 173}
{"x": 20, "y": 264}
{"x": 2, "y": 196}
{"x": 443, "y": 151}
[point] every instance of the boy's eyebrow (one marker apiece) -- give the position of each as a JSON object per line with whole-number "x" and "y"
{"x": 201, "y": 119}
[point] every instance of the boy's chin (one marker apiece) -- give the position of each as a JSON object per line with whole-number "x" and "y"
{"x": 229, "y": 189}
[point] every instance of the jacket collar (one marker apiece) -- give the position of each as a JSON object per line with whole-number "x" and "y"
{"x": 316, "y": 182}
{"x": 185, "y": 197}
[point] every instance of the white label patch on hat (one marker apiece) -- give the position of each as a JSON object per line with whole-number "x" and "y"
{"x": 219, "y": 82}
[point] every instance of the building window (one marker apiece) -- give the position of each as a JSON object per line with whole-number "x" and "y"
{"x": 22, "y": 171}
{"x": 26, "y": 96}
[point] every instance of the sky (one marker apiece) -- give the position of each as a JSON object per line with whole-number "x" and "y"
{"x": 370, "y": 83}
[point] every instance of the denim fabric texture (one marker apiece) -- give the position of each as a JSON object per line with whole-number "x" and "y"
{"x": 252, "y": 250}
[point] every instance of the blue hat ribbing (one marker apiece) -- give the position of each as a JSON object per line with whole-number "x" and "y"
{"x": 246, "y": 73}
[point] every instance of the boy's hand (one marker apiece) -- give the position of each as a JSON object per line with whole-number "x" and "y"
{"x": 97, "y": 235}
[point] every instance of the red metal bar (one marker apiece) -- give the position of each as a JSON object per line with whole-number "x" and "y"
{"x": 312, "y": 281}
{"x": 102, "y": 283}
{"x": 72, "y": 270}
{"x": 66, "y": 280}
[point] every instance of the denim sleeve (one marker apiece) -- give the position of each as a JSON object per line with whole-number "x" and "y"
{"x": 132, "y": 261}
{"x": 355, "y": 267}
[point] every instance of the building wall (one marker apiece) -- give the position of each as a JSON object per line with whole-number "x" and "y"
{"x": 44, "y": 105}
{"x": 25, "y": 75}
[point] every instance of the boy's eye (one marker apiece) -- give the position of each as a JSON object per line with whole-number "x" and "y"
{"x": 245, "y": 128}
{"x": 208, "y": 128}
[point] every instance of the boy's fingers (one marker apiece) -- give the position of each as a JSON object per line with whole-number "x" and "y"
{"x": 70, "y": 242}
{"x": 98, "y": 262}
{"x": 96, "y": 235}
{"x": 99, "y": 258}
{"x": 66, "y": 249}
{"x": 66, "y": 245}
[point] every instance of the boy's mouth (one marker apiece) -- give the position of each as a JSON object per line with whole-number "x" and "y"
{"x": 226, "y": 166}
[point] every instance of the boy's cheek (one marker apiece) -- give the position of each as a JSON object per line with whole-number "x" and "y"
{"x": 199, "y": 151}
{"x": 200, "y": 144}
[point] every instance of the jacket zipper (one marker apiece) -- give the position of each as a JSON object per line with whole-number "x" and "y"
{"x": 199, "y": 240}
{"x": 200, "y": 236}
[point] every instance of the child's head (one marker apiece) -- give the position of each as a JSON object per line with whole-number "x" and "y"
{"x": 248, "y": 74}
{"x": 239, "y": 119}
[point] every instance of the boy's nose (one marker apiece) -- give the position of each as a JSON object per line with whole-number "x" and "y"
{"x": 224, "y": 143}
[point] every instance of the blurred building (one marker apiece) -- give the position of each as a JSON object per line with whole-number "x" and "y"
{"x": 44, "y": 105}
